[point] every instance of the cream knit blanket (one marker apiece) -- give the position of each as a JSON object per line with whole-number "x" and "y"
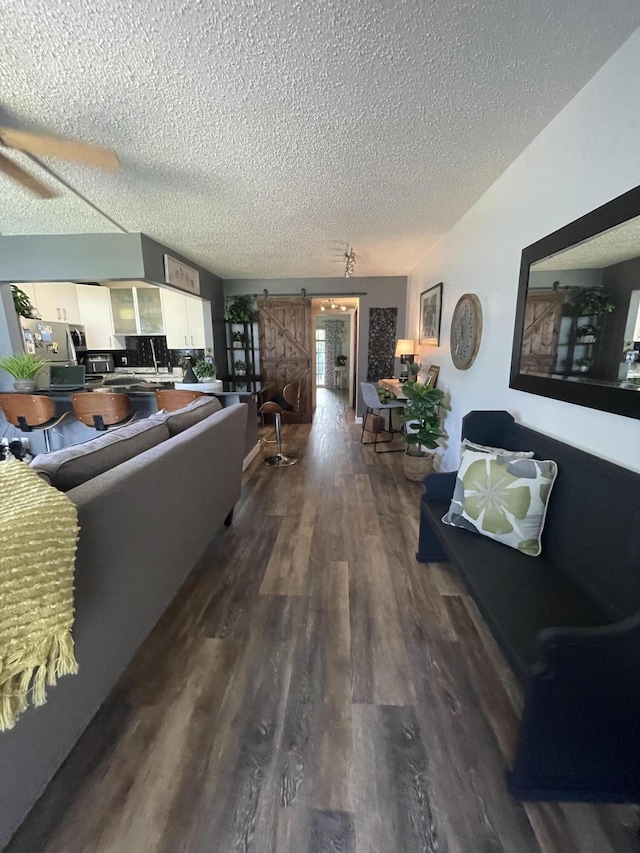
{"x": 38, "y": 534}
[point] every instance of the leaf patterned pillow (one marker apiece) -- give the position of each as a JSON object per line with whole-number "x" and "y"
{"x": 503, "y": 497}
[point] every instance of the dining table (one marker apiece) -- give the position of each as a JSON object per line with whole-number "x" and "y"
{"x": 395, "y": 386}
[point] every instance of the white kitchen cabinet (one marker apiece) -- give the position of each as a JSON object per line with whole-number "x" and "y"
{"x": 95, "y": 315}
{"x": 123, "y": 311}
{"x": 136, "y": 310}
{"x": 183, "y": 320}
{"x": 195, "y": 319}
{"x": 176, "y": 322}
{"x": 57, "y": 301}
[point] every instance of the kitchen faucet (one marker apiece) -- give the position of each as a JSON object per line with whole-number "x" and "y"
{"x": 153, "y": 353}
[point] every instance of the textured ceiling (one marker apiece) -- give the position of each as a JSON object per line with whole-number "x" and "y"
{"x": 621, "y": 243}
{"x": 263, "y": 138}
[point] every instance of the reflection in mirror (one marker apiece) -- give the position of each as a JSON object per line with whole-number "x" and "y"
{"x": 577, "y": 328}
{"x": 582, "y": 311}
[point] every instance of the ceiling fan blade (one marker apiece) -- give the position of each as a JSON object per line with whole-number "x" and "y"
{"x": 66, "y": 149}
{"x": 26, "y": 179}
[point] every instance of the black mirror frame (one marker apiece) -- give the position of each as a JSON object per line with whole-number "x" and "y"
{"x": 618, "y": 401}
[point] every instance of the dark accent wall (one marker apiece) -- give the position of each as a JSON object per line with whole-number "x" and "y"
{"x": 211, "y": 287}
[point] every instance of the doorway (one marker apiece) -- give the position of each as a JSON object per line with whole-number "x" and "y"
{"x": 335, "y": 361}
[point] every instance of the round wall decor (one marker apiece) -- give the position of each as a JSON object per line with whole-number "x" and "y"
{"x": 466, "y": 331}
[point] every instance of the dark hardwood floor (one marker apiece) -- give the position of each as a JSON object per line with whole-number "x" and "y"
{"x": 313, "y": 689}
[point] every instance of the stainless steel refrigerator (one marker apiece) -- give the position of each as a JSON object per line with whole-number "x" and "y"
{"x": 52, "y": 341}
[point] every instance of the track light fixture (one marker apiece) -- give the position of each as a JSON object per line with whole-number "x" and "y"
{"x": 350, "y": 263}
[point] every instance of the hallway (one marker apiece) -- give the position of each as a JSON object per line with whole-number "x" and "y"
{"x": 313, "y": 688}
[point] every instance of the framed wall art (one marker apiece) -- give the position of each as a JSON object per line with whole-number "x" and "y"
{"x": 432, "y": 376}
{"x": 430, "y": 315}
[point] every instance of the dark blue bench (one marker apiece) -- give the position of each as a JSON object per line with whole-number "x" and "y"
{"x": 567, "y": 621}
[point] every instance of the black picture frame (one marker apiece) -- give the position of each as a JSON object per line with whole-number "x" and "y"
{"x": 607, "y": 398}
{"x": 430, "y": 316}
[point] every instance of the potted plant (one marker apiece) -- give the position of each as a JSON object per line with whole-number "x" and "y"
{"x": 583, "y": 364}
{"x": 592, "y": 302}
{"x": 23, "y": 366}
{"x": 412, "y": 370}
{"x": 423, "y": 421}
{"x": 22, "y": 303}
{"x": 205, "y": 369}
{"x": 586, "y": 334}
{"x": 240, "y": 309}
{"x": 238, "y": 340}
{"x": 341, "y": 360}
{"x": 240, "y": 367}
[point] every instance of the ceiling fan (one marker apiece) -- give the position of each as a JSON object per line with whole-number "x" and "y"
{"x": 35, "y": 145}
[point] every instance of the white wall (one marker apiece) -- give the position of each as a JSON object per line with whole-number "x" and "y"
{"x": 589, "y": 154}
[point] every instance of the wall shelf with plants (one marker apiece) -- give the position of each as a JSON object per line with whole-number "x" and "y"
{"x": 589, "y": 308}
{"x": 241, "y": 324}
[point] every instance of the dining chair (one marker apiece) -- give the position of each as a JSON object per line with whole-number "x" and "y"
{"x": 170, "y": 400}
{"x": 31, "y": 413}
{"x": 102, "y": 411}
{"x": 373, "y": 404}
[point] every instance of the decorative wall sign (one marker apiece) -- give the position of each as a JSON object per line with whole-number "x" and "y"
{"x": 382, "y": 342}
{"x": 466, "y": 331}
{"x": 181, "y": 276}
{"x": 430, "y": 315}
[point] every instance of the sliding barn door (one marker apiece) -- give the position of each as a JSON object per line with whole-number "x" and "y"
{"x": 543, "y": 315}
{"x": 286, "y": 347}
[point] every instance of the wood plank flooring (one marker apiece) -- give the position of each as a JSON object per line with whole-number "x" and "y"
{"x": 312, "y": 688}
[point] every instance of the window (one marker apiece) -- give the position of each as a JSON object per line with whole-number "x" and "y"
{"x": 320, "y": 357}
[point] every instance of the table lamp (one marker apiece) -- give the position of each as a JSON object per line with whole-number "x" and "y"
{"x": 405, "y": 351}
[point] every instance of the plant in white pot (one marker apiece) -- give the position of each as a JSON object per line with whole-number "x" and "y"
{"x": 23, "y": 366}
{"x": 423, "y": 420}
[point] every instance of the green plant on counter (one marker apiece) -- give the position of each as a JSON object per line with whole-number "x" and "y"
{"x": 422, "y": 414}
{"x": 22, "y": 365}
{"x": 205, "y": 369}
{"x": 22, "y": 303}
{"x": 240, "y": 366}
{"x": 413, "y": 369}
{"x": 240, "y": 309}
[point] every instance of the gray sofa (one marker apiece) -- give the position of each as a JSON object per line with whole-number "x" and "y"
{"x": 150, "y": 498}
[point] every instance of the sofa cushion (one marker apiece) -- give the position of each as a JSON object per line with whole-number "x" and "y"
{"x": 503, "y": 497}
{"x": 72, "y": 466}
{"x": 182, "y": 419}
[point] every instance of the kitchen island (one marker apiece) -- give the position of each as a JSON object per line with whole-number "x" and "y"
{"x": 143, "y": 402}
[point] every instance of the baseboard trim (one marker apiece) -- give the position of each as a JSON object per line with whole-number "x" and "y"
{"x": 248, "y": 459}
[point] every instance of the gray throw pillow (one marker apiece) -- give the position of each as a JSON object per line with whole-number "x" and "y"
{"x": 190, "y": 415}
{"x": 74, "y": 465}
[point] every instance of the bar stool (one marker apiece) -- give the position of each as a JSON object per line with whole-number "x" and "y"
{"x": 102, "y": 411}
{"x": 31, "y": 413}
{"x": 279, "y": 405}
{"x": 170, "y": 400}
{"x": 372, "y": 402}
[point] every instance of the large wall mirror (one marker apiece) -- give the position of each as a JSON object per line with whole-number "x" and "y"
{"x": 577, "y": 331}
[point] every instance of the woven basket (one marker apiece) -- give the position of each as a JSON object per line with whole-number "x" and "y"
{"x": 416, "y": 468}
